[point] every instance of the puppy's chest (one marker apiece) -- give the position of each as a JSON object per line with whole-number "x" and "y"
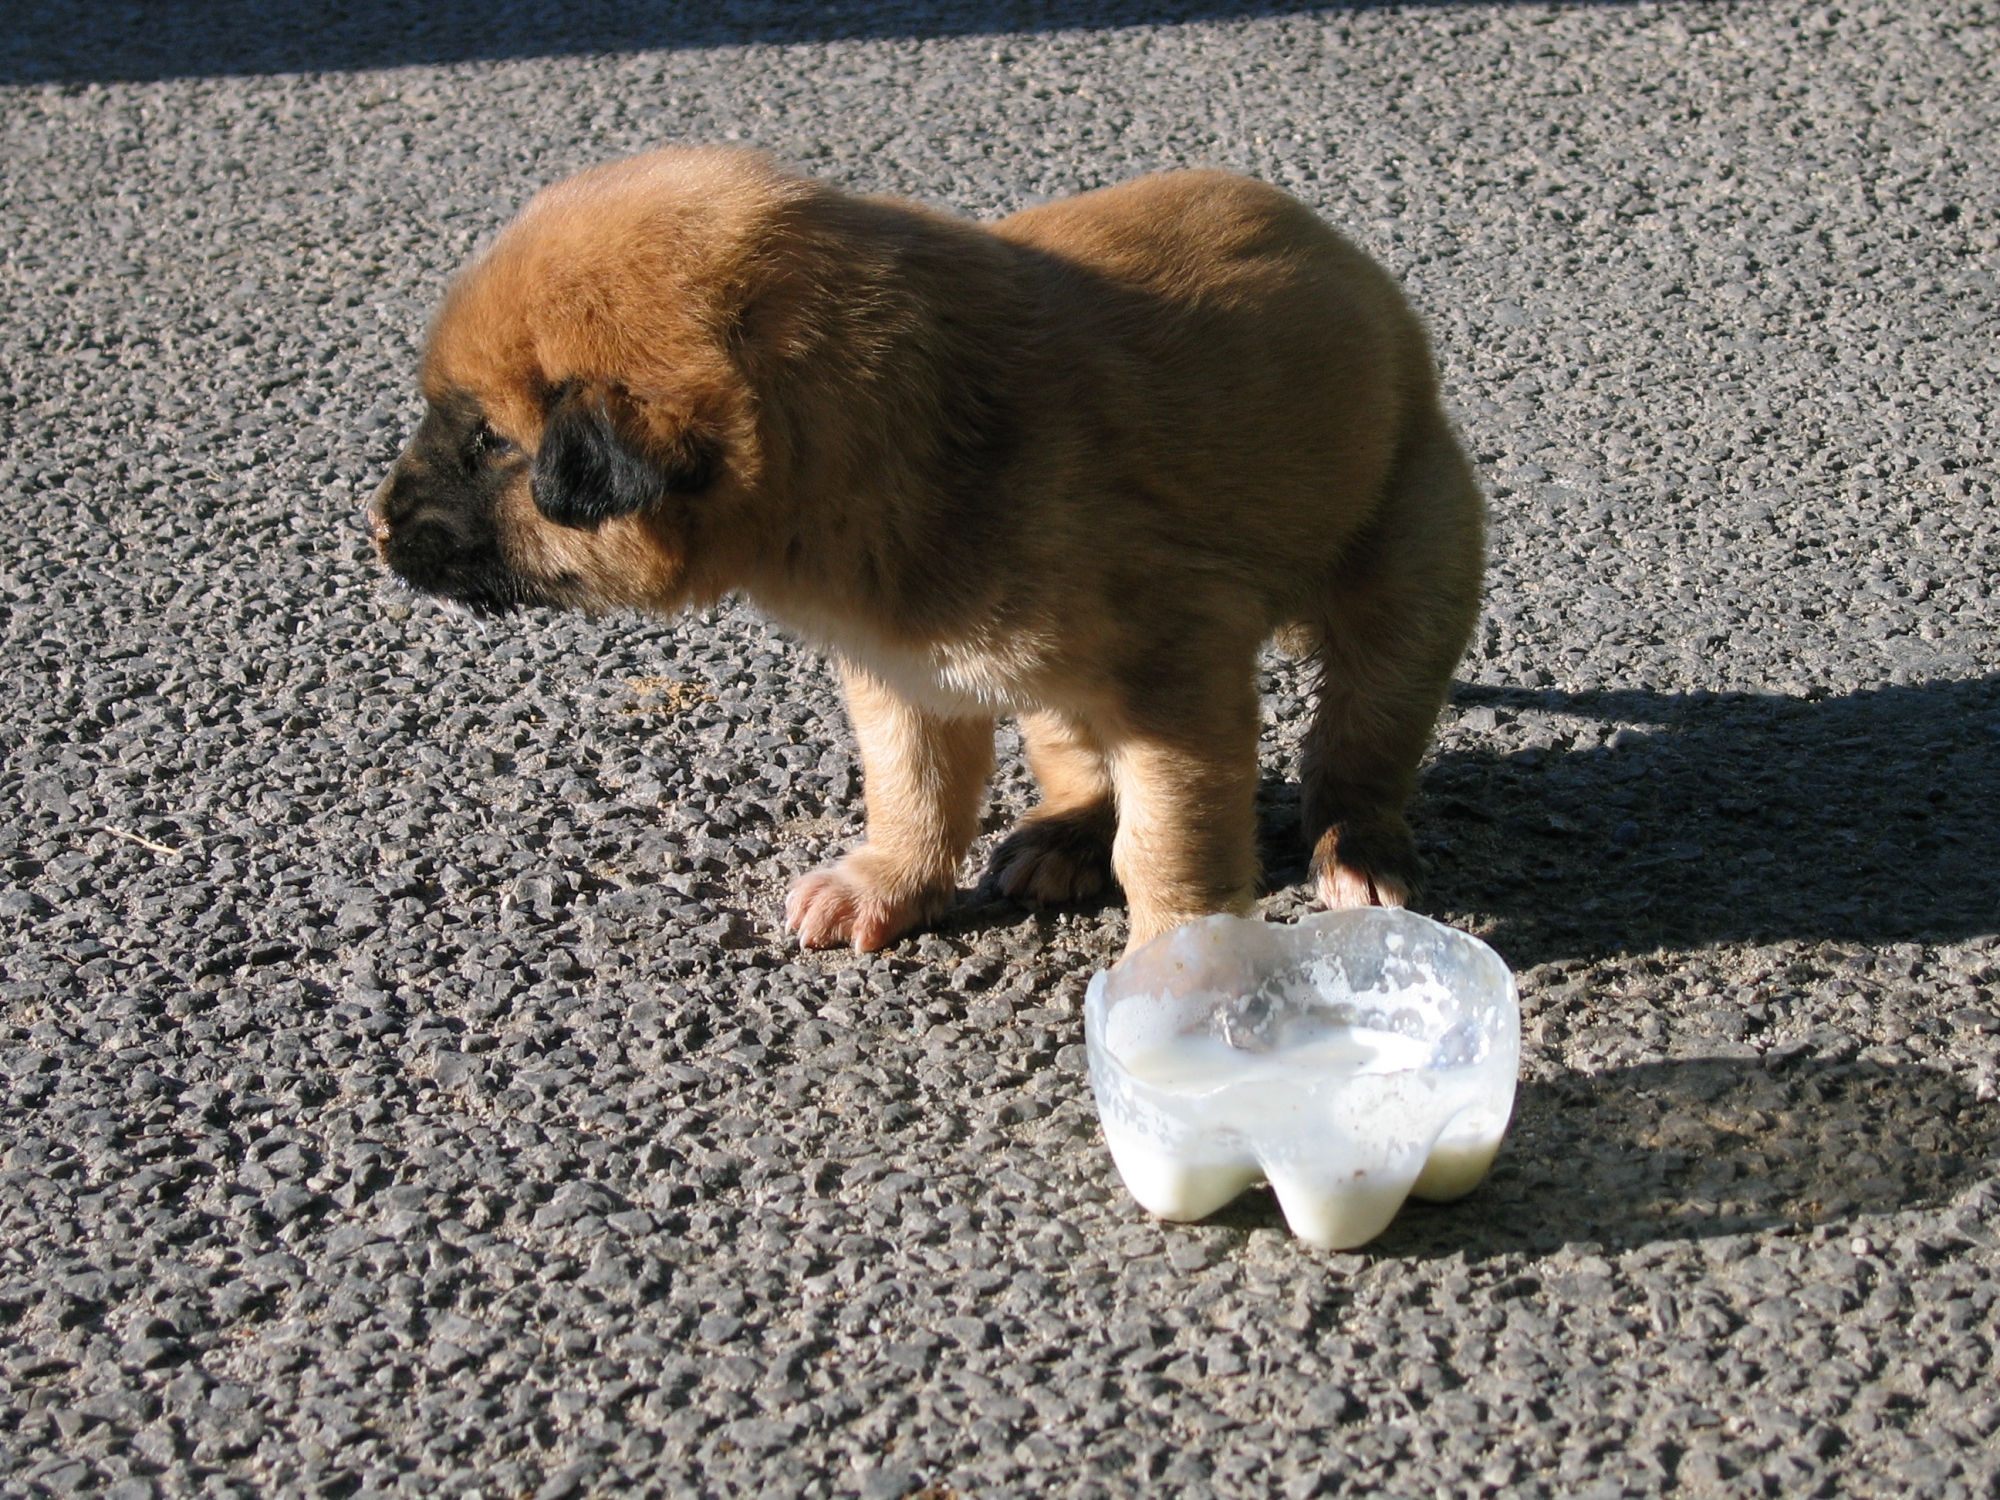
{"x": 954, "y": 679}
{"x": 975, "y": 675}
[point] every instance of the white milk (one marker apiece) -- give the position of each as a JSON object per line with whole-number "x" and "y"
{"x": 1343, "y": 1116}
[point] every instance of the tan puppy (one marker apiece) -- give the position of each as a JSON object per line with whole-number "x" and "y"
{"x": 1078, "y": 466}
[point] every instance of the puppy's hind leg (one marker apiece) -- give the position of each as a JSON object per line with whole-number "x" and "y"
{"x": 923, "y": 775}
{"x": 1392, "y": 626}
{"x": 1062, "y": 850}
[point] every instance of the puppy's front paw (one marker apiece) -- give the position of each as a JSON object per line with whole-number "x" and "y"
{"x": 1061, "y": 857}
{"x": 858, "y": 901}
{"x": 1355, "y": 866}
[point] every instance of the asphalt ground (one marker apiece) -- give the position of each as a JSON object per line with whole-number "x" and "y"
{"x": 407, "y": 1089}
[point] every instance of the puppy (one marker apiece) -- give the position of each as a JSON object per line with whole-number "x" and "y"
{"x": 1077, "y": 466}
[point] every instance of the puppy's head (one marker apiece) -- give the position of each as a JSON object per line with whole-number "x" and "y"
{"x": 569, "y": 500}
{"x": 590, "y": 438}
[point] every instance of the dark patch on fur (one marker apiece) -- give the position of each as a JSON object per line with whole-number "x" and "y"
{"x": 1381, "y": 848}
{"x": 1082, "y": 840}
{"x": 593, "y": 464}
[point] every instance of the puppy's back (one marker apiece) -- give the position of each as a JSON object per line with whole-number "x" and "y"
{"x": 1192, "y": 236}
{"x": 1270, "y": 368}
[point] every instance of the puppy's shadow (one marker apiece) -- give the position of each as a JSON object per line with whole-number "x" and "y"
{"x": 1700, "y": 1148}
{"x": 1580, "y": 825}
{"x": 1707, "y": 819}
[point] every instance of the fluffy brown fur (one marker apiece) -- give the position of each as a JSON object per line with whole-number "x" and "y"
{"x": 1078, "y": 466}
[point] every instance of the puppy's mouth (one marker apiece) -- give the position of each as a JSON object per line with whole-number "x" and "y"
{"x": 483, "y": 584}
{"x": 484, "y": 592}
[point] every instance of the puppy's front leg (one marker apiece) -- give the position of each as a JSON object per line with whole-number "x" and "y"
{"x": 1187, "y": 820}
{"x": 923, "y": 775}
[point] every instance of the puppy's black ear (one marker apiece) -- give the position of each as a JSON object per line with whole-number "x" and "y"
{"x": 588, "y": 468}
{"x": 594, "y": 462}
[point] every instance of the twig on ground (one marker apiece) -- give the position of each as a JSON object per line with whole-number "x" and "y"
{"x": 144, "y": 843}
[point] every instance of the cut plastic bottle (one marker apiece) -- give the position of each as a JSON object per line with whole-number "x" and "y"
{"x": 1350, "y": 1060}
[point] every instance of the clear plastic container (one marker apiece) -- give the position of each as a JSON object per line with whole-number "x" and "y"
{"x": 1349, "y": 1060}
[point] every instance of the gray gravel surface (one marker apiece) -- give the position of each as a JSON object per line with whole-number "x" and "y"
{"x": 407, "y": 1091}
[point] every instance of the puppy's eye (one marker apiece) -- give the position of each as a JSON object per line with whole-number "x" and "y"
{"x": 485, "y": 445}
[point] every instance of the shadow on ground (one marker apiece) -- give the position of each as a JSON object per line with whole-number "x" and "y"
{"x": 1700, "y": 1148}
{"x": 1732, "y": 818}
{"x": 153, "y": 39}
